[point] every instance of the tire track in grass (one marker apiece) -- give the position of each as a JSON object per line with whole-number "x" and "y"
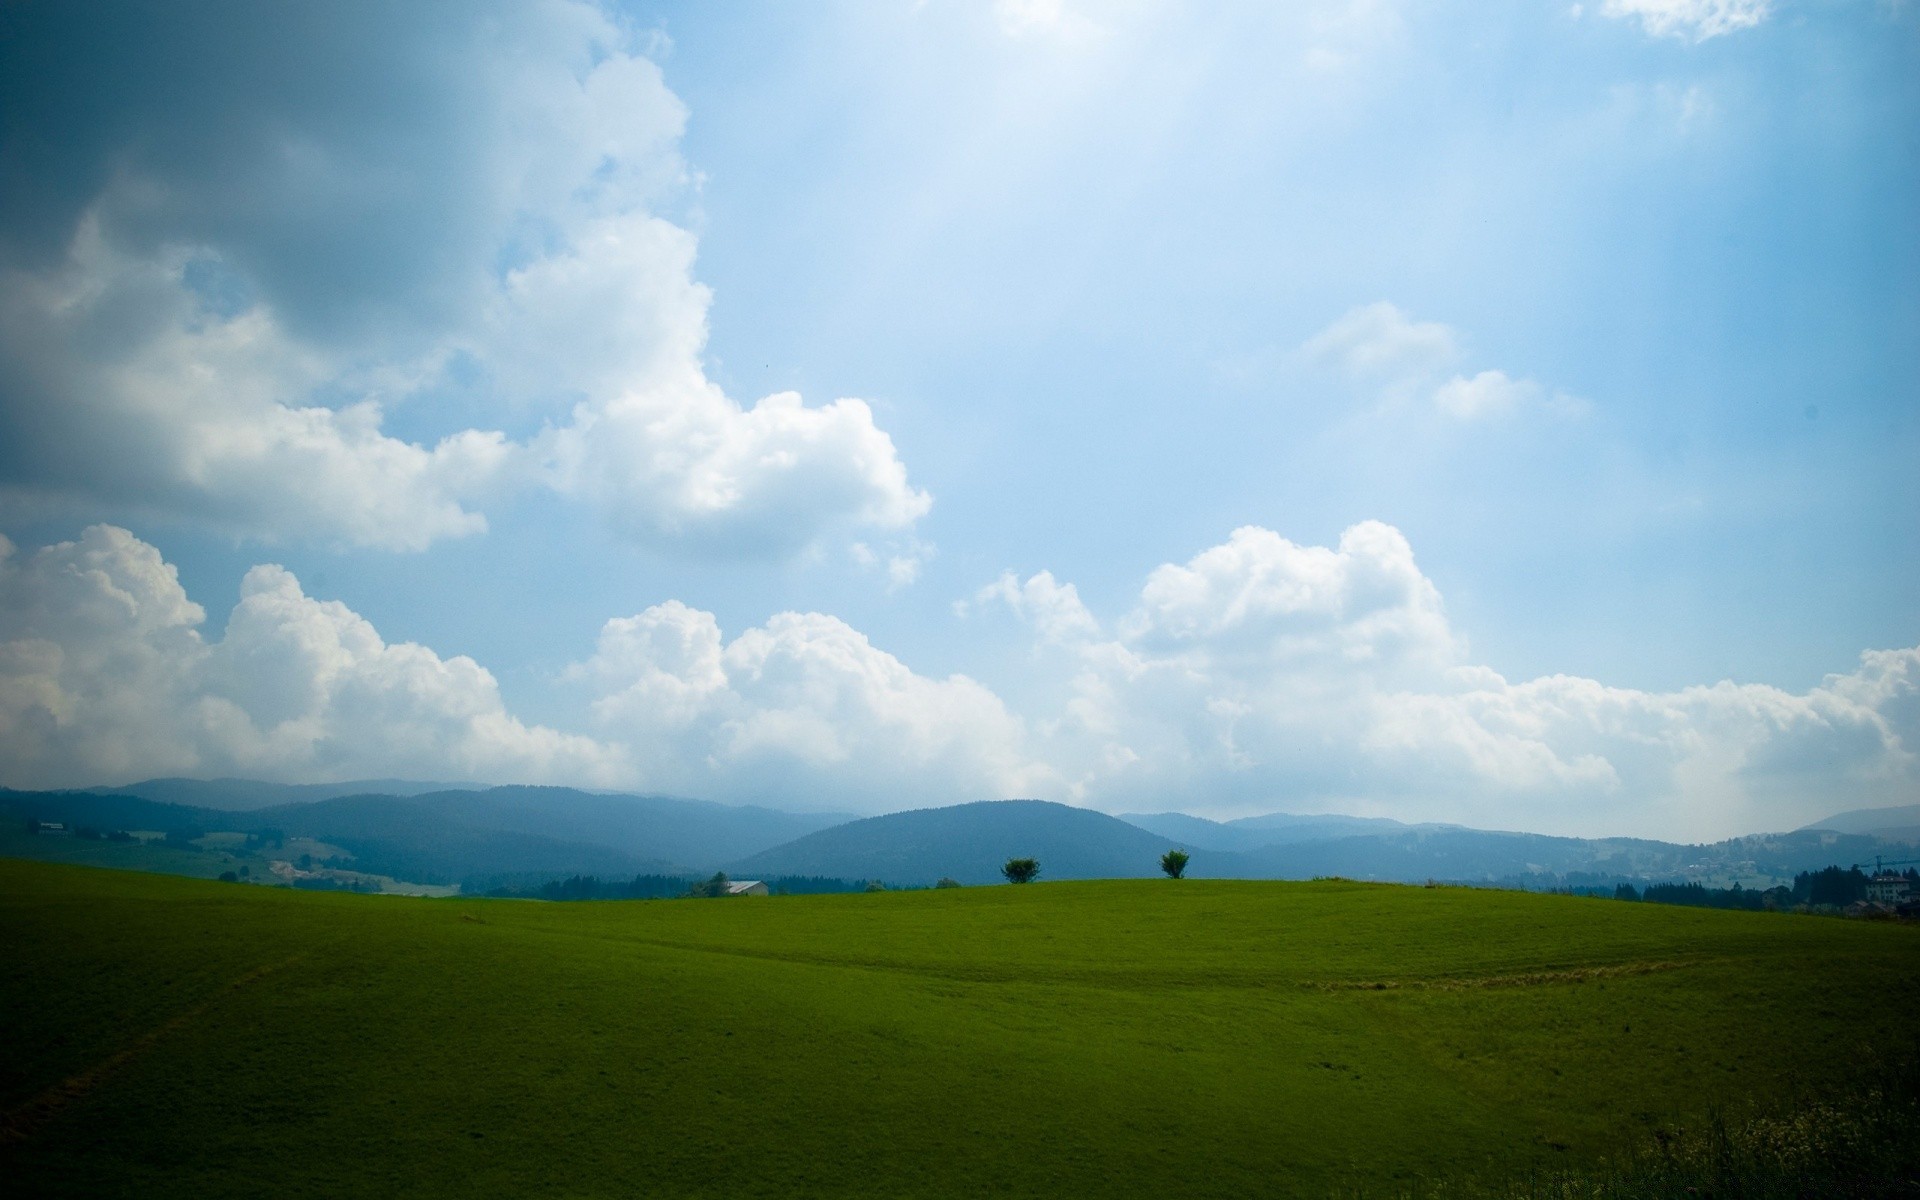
{"x": 21, "y": 1122}
{"x": 1527, "y": 979}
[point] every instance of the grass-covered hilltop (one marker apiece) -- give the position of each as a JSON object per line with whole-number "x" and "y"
{"x": 171, "y": 1036}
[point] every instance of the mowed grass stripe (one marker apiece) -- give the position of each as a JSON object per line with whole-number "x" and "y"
{"x": 1087, "y": 1039}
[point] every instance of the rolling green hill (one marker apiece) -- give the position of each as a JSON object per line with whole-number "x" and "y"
{"x": 176, "y": 1037}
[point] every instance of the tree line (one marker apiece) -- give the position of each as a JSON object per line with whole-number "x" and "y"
{"x": 1829, "y": 887}
{"x": 667, "y": 887}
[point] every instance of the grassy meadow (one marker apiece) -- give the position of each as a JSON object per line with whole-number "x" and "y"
{"x": 169, "y": 1036}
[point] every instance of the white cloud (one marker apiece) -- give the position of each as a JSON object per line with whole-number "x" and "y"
{"x": 1258, "y": 675}
{"x": 105, "y": 676}
{"x": 902, "y": 570}
{"x": 98, "y": 643}
{"x": 1488, "y": 394}
{"x": 194, "y": 416}
{"x": 1379, "y": 342}
{"x": 1263, "y": 675}
{"x": 1379, "y": 346}
{"x": 803, "y": 710}
{"x": 1364, "y": 603}
{"x": 1492, "y": 394}
{"x": 1692, "y": 20}
{"x": 222, "y": 329}
{"x": 899, "y": 561}
{"x": 670, "y": 464}
{"x": 1054, "y": 608}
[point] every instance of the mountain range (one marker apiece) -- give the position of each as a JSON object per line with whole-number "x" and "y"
{"x": 1900, "y": 824}
{"x": 243, "y": 795}
{"x": 455, "y": 835}
{"x": 441, "y": 834}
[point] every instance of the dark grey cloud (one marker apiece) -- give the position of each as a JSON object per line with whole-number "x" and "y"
{"x": 234, "y": 237}
{"x": 337, "y": 156}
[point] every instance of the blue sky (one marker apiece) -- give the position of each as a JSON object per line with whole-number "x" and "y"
{"x": 1503, "y": 415}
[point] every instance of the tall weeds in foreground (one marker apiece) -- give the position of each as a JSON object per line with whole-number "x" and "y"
{"x": 1862, "y": 1142}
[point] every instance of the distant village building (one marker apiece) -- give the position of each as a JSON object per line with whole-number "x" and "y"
{"x": 51, "y": 827}
{"x": 746, "y": 887}
{"x": 1889, "y": 888}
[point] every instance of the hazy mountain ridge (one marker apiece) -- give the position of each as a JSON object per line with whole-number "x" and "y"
{"x": 243, "y": 795}
{"x": 661, "y": 830}
{"x": 1270, "y": 829}
{"x": 968, "y": 842}
{"x": 449, "y": 835}
{"x": 1281, "y": 845}
{"x": 1900, "y": 823}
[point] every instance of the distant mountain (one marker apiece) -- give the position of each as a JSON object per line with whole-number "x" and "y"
{"x": 1272, "y": 829}
{"x": 1456, "y": 854}
{"x": 1900, "y": 824}
{"x": 661, "y": 831}
{"x": 109, "y": 812}
{"x": 1413, "y": 854}
{"x": 968, "y": 842}
{"x": 532, "y": 833}
{"x": 450, "y": 836}
{"x": 242, "y": 795}
{"x": 1195, "y": 833}
{"x": 1280, "y": 828}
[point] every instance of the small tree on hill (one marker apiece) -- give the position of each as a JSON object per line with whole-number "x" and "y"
{"x": 1021, "y": 870}
{"x": 1174, "y": 863}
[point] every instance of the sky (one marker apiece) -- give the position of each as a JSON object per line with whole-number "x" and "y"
{"x": 1504, "y": 414}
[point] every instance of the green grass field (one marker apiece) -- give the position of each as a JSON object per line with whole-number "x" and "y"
{"x": 168, "y": 1036}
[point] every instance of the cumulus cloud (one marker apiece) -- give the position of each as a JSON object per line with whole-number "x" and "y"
{"x": 1691, "y": 20}
{"x": 247, "y": 241}
{"x": 1054, "y": 608}
{"x": 1263, "y": 675}
{"x": 1258, "y": 675}
{"x": 1364, "y": 602}
{"x": 803, "y": 710}
{"x": 106, "y": 676}
{"x": 190, "y": 413}
{"x": 1380, "y": 347}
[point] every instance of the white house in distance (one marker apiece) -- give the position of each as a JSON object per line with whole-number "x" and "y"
{"x": 746, "y": 887}
{"x": 1889, "y": 888}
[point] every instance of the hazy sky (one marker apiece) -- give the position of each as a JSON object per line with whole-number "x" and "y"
{"x": 1500, "y": 413}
